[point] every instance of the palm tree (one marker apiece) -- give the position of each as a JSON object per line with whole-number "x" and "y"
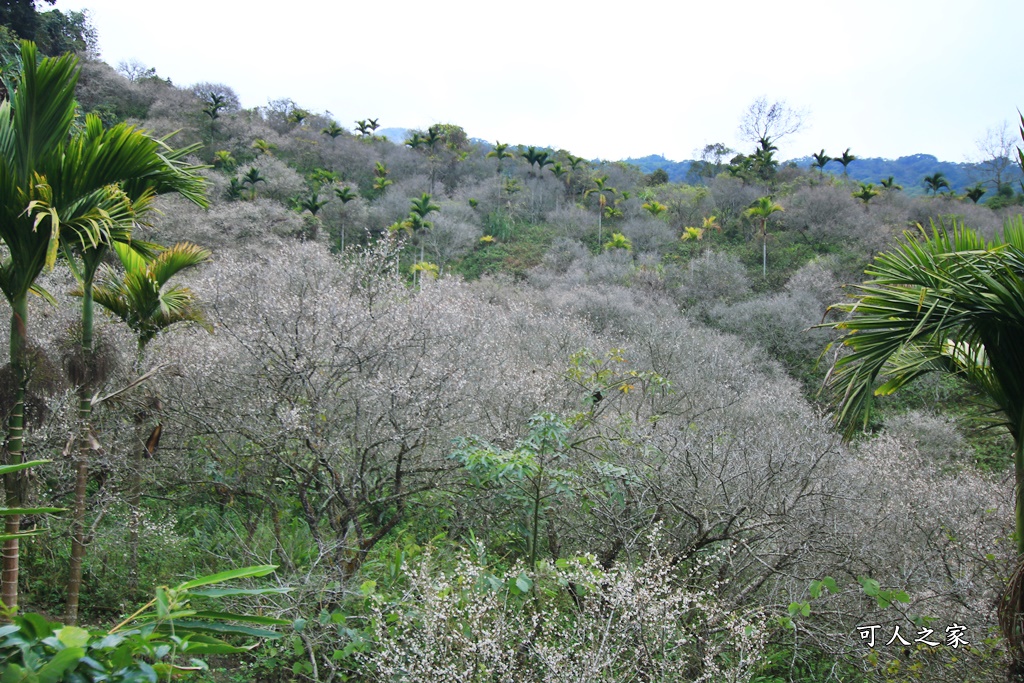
{"x": 692, "y": 233}
{"x": 543, "y": 159}
{"x": 532, "y": 154}
{"x": 761, "y": 210}
{"x": 618, "y": 241}
{"x": 820, "y": 159}
{"x": 975, "y": 192}
{"x": 890, "y": 184}
{"x": 222, "y": 158}
{"x": 655, "y": 208}
{"x": 250, "y": 178}
{"x": 144, "y": 302}
{"x": 345, "y": 194}
{"x": 949, "y": 302}
{"x": 381, "y": 184}
{"x": 334, "y": 130}
{"x": 574, "y": 163}
{"x": 141, "y": 297}
{"x": 298, "y": 116}
{"x": 763, "y": 158}
{"x": 499, "y": 152}
{"x": 214, "y": 103}
{"x": 416, "y": 140}
{"x": 866, "y": 193}
{"x": 311, "y": 202}
{"x": 562, "y": 174}
{"x": 846, "y": 159}
{"x": 235, "y": 189}
{"x": 935, "y": 183}
{"x": 380, "y": 178}
{"x": 263, "y": 146}
{"x": 60, "y": 186}
{"x": 601, "y": 188}
{"x": 418, "y": 213}
{"x": 435, "y": 134}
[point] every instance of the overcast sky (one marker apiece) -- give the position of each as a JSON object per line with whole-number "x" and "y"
{"x": 610, "y": 80}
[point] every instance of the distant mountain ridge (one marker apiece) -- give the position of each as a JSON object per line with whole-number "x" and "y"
{"x": 908, "y": 171}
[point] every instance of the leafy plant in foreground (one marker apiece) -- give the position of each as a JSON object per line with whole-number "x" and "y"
{"x": 165, "y": 638}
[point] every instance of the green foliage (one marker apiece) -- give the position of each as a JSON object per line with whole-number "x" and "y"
{"x": 530, "y": 475}
{"x": 846, "y": 159}
{"x": 866, "y": 193}
{"x": 936, "y": 182}
{"x": 944, "y": 301}
{"x": 142, "y": 299}
{"x": 6, "y": 511}
{"x": 517, "y": 248}
{"x": 164, "y": 639}
{"x": 656, "y": 177}
{"x": 618, "y": 241}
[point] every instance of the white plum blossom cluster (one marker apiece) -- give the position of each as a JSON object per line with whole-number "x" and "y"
{"x": 574, "y": 621}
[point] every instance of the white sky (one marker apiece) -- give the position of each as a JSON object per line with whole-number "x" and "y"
{"x": 600, "y": 79}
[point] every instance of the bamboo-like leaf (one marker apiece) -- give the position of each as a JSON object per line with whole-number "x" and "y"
{"x": 30, "y": 511}
{"x": 7, "y": 469}
{"x": 215, "y": 627}
{"x": 242, "y": 573}
{"x": 247, "y": 618}
{"x": 227, "y": 592}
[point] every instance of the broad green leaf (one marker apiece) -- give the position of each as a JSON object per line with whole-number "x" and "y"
{"x": 162, "y": 606}
{"x": 249, "y": 618}
{"x": 73, "y": 636}
{"x": 226, "y": 592}
{"x": 60, "y": 663}
{"x": 244, "y": 572}
{"x": 213, "y": 627}
{"x": 7, "y": 469}
{"x": 21, "y": 534}
{"x": 524, "y": 582}
{"x": 870, "y": 586}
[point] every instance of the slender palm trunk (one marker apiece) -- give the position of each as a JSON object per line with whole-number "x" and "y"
{"x": 764, "y": 251}
{"x": 135, "y": 488}
{"x": 85, "y": 445}
{"x": 1018, "y": 466}
{"x": 1011, "y": 609}
{"x": 14, "y": 482}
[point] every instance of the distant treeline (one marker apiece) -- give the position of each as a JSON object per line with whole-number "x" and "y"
{"x": 907, "y": 171}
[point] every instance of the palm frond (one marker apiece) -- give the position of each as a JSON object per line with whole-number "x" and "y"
{"x": 944, "y": 300}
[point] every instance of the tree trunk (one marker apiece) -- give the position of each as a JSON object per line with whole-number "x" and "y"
{"x": 1018, "y": 467}
{"x": 15, "y": 447}
{"x": 135, "y": 503}
{"x": 86, "y": 443}
{"x": 764, "y": 257}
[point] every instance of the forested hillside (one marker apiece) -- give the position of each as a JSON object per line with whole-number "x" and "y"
{"x": 494, "y": 412}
